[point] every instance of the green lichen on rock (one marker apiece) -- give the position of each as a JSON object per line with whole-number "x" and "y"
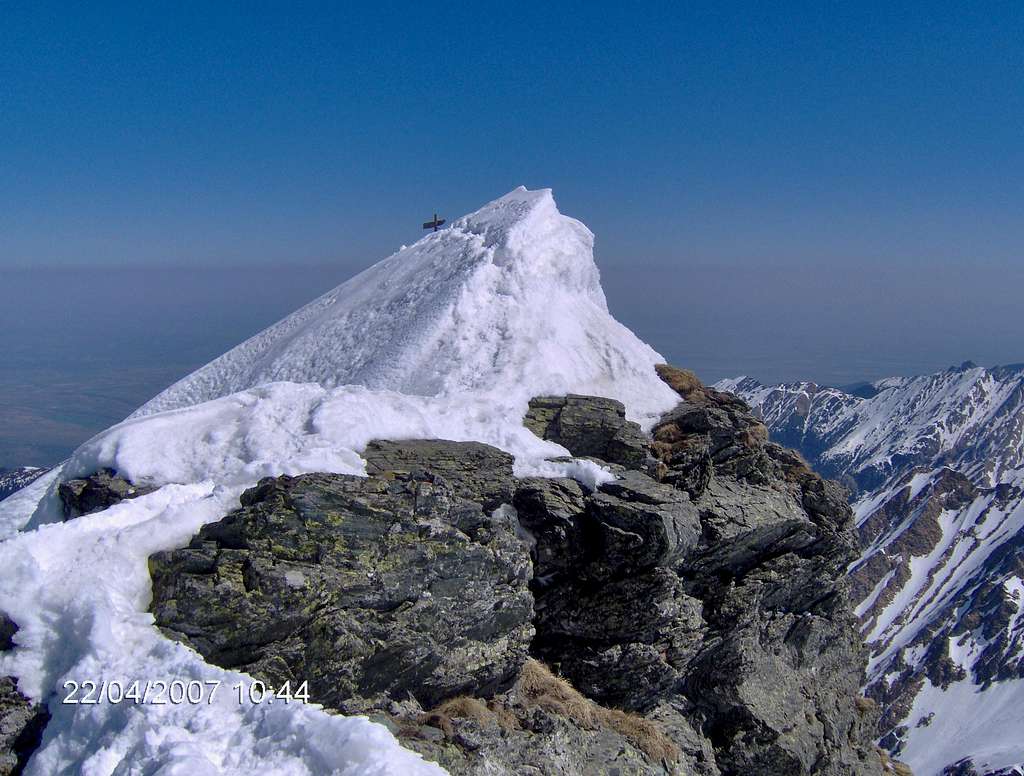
{"x": 371, "y": 589}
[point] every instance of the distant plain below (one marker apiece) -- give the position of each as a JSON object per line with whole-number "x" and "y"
{"x": 83, "y": 347}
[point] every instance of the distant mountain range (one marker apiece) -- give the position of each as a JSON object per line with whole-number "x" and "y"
{"x": 12, "y": 480}
{"x": 936, "y": 467}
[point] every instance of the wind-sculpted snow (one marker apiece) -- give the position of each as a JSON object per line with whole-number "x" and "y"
{"x": 448, "y": 339}
{"x": 938, "y": 461}
{"x": 507, "y": 301}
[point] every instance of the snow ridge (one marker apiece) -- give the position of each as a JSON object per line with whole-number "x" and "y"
{"x": 506, "y": 298}
{"x": 448, "y": 338}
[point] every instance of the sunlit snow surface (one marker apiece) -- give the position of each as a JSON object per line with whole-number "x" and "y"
{"x": 448, "y": 338}
{"x": 505, "y": 304}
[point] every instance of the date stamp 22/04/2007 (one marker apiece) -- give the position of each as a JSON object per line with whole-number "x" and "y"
{"x": 178, "y": 692}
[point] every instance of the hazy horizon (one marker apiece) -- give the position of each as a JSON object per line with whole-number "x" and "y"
{"x": 83, "y": 347}
{"x": 802, "y": 191}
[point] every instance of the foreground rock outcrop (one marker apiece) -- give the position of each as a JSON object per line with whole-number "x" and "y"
{"x": 373, "y": 590}
{"x": 689, "y": 617}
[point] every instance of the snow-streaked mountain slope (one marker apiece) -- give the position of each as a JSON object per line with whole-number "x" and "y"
{"x": 507, "y": 300}
{"x": 968, "y": 417}
{"x": 939, "y": 464}
{"x": 15, "y": 479}
{"x": 446, "y": 339}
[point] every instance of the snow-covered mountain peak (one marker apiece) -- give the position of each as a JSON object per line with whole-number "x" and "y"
{"x": 508, "y": 299}
{"x": 446, "y": 339}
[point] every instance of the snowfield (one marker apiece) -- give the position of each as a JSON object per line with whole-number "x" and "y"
{"x": 448, "y": 338}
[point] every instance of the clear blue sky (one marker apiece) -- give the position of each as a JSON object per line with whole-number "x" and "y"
{"x": 683, "y": 134}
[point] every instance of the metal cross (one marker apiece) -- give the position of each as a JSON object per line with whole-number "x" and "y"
{"x": 433, "y": 224}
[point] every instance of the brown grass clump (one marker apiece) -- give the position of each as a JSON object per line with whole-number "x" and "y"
{"x": 864, "y": 704}
{"x": 540, "y": 687}
{"x": 893, "y": 766}
{"x": 884, "y": 757}
{"x": 464, "y": 707}
{"x": 645, "y": 734}
{"x": 682, "y": 381}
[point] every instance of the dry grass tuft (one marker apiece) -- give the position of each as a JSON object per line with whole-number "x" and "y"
{"x": 864, "y": 704}
{"x": 893, "y": 766}
{"x": 682, "y": 381}
{"x": 647, "y": 735}
{"x": 540, "y": 687}
{"x": 537, "y": 687}
{"x": 465, "y": 707}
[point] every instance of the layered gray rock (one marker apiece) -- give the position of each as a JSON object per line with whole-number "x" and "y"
{"x": 85, "y": 495}
{"x": 775, "y": 679}
{"x": 695, "y": 621}
{"x": 611, "y": 612}
{"x": 372, "y": 589}
{"x": 473, "y": 471}
{"x": 589, "y": 426}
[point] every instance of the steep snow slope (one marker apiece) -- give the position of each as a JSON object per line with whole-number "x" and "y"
{"x": 448, "y": 338}
{"x": 939, "y": 464}
{"x": 507, "y": 300}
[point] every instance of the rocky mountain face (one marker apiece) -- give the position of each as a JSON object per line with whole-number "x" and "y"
{"x": 12, "y": 480}
{"x": 690, "y": 616}
{"x": 937, "y": 463}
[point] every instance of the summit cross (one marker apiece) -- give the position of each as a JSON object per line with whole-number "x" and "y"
{"x": 433, "y": 224}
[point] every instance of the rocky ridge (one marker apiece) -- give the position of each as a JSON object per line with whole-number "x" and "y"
{"x": 689, "y": 617}
{"x": 21, "y": 721}
{"x": 694, "y": 621}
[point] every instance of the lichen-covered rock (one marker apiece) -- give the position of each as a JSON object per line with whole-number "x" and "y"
{"x": 474, "y": 471}
{"x": 85, "y": 495}
{"x": 369, "y": 588}
{"x": 589, "y": 426}
{"x": 21, "y": 727}
{"x": 695, "y": 614}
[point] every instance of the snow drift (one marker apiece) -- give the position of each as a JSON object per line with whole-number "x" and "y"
{"x": 448, "y": 338}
